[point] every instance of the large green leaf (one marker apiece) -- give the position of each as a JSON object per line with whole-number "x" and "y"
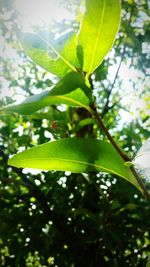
{"x": 75, "y": 155}
{"x": 71, "y": 90}
{"x": 56, "y": 56}
{"x": 97, "y": 33}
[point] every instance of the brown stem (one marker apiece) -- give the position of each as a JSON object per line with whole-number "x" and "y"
{"x": 119, "y": 151}
{"x": 103, "y": 127}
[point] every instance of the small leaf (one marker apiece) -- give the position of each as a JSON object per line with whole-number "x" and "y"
{"x": 82, "y": 124}
{"x": 97, "y": 33}
{"x": 130, "y": 206}
{"x": 130, "y": 2}
{"x": 56, "y": 56}
{"x": 74, "y": 155}
{"x": 128, "y": 164}
{"x": 71, "y": 90}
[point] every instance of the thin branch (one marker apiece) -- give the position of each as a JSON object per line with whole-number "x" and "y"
{"x": 119, "y": 151}
{"x": 116, "y": 147}
{"x": 103, "y": 127}
{"x": 106, "y": 107}
{"x": 105, "y": 130}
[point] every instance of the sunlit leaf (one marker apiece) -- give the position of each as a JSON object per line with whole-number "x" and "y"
{"x": 71, "y": 90}
{"x": 56, "y": 56}
{"x": 97, "y": 33}
{"x": 75, "y": 155}
{"x": 130, "y": 2}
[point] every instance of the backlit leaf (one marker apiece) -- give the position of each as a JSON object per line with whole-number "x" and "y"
{"x": 56, "y": 56}
{"x": 97, "y": 33}
{"x": 74, "y": 155}
{"x": 71, "y": 90}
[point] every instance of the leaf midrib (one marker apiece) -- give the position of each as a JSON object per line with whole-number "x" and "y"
{"x": 73, "y": 161}
{"x": 98, "y": 35}
{"x": 57, "y": 53}
{"x": 74, "y": 101}
{"x": 78, "y": 103}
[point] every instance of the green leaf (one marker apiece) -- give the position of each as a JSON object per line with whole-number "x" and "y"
{"x": 97, "y": 33}
{"x": 56, "y": 56}
{"x": 75, "y": 155}
{"x": 71, "y": 90}
{"x": 128, "y": 164}
{"x": 148, "y": 261}
{"x": 130, "y": 2}
{"x": 76, "y": 98}
{"x": 82, "y": 124}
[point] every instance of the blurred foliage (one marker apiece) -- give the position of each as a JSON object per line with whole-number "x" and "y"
{"x": 63, "y": 219}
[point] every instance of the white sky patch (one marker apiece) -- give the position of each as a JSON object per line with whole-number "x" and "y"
{"x": 39, "y": 12}
{"x": 6, "y": 51}
{"x": 49, "y": 135}
{"x": 142, "y": 159}
{"x": 131, "y": 99}
{"x": 33, "y": 171}
{"x": 4, "y": 91}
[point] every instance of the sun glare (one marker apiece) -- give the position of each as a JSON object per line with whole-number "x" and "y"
{"x": 39, "y": 12}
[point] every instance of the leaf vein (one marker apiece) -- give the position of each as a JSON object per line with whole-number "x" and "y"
{"x": 98, "y": 35}
{"x": 57, "y": 53}
{"x": 74, "y": 161}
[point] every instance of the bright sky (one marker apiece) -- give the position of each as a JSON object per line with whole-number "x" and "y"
{"x": 37, "y": 12}
{"x": 131, "y": 99}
